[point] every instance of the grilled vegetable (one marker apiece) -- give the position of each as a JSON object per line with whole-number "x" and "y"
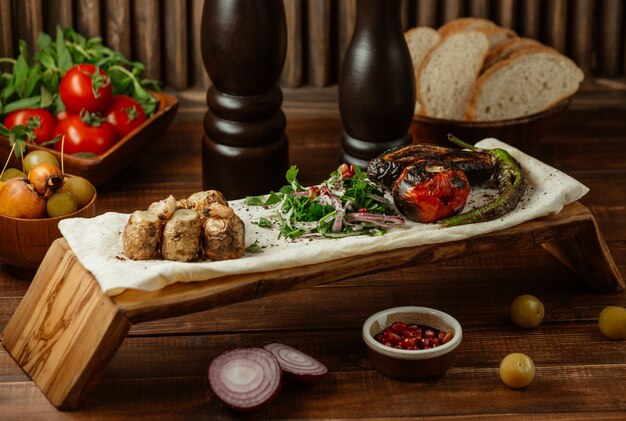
{"x": 386, "y": 168}
{"x": 511, "y": 187}
{"x": 430, "y": 190}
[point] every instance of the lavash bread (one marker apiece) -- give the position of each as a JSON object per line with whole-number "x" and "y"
{"x": 528, "y": 81}
{"x": 448, "y": 73}
{"x": 420, "y": 40}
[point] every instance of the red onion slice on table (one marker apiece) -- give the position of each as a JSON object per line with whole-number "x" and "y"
{"x": 245, "y": 378}
{"x": 306, "y": 368}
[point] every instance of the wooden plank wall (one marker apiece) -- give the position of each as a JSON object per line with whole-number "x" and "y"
{"x": 165, "y": 34}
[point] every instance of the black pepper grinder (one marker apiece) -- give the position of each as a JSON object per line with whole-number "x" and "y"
{"x": 244, "y": 43}
{"x": 377, "y": 86}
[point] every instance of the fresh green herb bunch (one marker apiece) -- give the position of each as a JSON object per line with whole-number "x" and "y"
{"x": 346, "y": 204}
{"x": 34, "y": 82}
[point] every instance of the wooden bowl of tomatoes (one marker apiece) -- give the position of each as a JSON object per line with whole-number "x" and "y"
{"x": 96, "y": 150}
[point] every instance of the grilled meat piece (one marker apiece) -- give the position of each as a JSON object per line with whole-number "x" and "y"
{"x": 385, "y": 169}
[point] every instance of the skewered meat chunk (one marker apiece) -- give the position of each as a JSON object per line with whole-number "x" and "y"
{"x": 164, "y": 209}
{"x": 201, "y": 201}
{"x": 142, "y": 236}
{"x": 224, "y": 233}
{"x": 181, "y": 236}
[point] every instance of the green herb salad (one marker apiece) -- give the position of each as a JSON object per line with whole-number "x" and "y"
{"x": 346, "y": 204}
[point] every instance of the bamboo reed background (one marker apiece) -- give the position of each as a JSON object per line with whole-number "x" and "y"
{"x": 164, "y": 34}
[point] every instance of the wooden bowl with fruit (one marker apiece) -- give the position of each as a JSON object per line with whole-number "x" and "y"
{"x": 32, "y": 202}
{"x": 83, "y": 100}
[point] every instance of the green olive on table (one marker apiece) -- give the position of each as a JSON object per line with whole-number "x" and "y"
{"x": 517, "y": 370}
{"x": 61, "y": 204}
{"x": 527, "y": 311}
{"x": 612, "y": 322}
{"x": 35, "y": 158}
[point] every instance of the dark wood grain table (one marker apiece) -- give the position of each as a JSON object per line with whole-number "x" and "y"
{"x": 160, "y": 371}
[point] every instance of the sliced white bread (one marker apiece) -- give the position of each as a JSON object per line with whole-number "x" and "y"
{"x": 465, "y": 24}
{"x": 506, "y": 48}
{"x": 420, "y": 40}
{"x": 497, "y": 35}
{"x": 529, "y": 81}
{"x": 448, "y": 73}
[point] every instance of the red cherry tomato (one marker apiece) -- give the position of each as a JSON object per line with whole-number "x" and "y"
{"x": 81, "y": 137}
{"x": 42, "y": 119}
{"x": 430, "y": 190}
{"x": 86, "y": 87}
{"x": 125, "y": 114}
{"x": 62, "y": 115}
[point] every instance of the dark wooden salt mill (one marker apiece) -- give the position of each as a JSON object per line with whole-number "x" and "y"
{"x": 244, "y": 150}
{"x": 377, "y": 86}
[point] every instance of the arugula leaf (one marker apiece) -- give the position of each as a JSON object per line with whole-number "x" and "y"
{"x": 64, "y": 58}
{"x": 32, "y": 102}
{"x": 272, "y": 199}
{"x": 20, "y": 70}
{"x": 263, "y": 223}
{"x": 254, "y": 247}
{"x": 46, "y": 98}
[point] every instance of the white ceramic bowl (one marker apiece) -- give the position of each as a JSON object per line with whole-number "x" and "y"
{"x": 411, "y": 364}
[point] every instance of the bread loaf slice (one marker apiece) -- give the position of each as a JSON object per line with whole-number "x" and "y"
{"x": 448, "y": 72}
{"x": 497, "y": 35}
{"x": 420, "y": 40}
{"x": 503, "y": 50}
{"x": 465, "y": 24}
{"x": 529, "y": 81}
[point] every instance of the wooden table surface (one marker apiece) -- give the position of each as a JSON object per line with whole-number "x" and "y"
{"x": 160, "y": 371}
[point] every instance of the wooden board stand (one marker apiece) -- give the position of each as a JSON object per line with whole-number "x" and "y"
{"x": 65, "y": 331}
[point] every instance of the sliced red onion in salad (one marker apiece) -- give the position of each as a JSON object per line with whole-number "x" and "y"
{"x": 245, "y": 378}
{"x": 304, "y": 367}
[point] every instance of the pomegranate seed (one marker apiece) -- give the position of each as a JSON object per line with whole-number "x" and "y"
{"x": 424, "y": 343}
{"x": 408, "y": 334}
{"x": 379, "y": 338}
{"x": 413, "y": 327}
{"x": 407, "y": 342}
{"x": 429, "y": 333}
{"x": 313, "y": 192}
{"x": 347, "y": 172}
{"x": 398, "y": 327}
{"x": 441, "y": 335}
{"x": 394, "y": 338}
{"x": 412, "y": 348}
{"x": 448, "y": 336}
{"x": 388, "y": 344}
{"x": 362, "y": 210}
{"x": 435, "y": 341}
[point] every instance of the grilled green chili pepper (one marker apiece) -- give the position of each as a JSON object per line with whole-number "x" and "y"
{"x": 511, "y": 187}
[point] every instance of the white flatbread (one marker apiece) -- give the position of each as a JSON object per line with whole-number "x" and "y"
{"x": 97, "y": 242}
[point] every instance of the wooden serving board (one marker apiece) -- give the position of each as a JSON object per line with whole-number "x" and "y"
{"x": 65, "y": 331}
